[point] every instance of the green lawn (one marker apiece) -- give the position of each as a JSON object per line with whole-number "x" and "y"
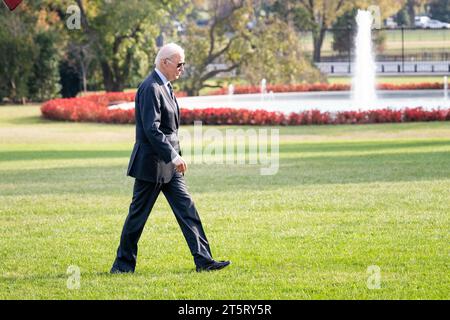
{"x": 415, "y": 41}
{"x": 345, "y": 198}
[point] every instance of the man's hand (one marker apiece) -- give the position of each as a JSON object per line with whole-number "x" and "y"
{"x": 180, "y": 164}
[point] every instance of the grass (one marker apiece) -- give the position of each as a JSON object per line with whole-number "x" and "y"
{"x": 345, "y": 198}
{"x": 415, "y": 41}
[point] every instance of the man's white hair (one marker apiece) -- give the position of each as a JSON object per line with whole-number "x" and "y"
{"x": 168, "y": 51}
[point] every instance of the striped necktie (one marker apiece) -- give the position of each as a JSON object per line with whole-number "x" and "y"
{"x": 171, "y": 90}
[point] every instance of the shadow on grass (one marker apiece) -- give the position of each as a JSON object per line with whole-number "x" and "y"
{"x": 29, "y": 120}
{"x": 321, "y": 170}
{"x": 328, "y": 170}
{"x": 39, "y": 276}
{"x": 38, "y": 119}
{"x": 62, "y": 155}
{"x": 290, "y": 148}
{"x": 104, "y": 274}
{"x": 360, "y": 146}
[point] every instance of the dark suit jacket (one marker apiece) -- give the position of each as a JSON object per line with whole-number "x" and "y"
{"x": 157, "y": 121}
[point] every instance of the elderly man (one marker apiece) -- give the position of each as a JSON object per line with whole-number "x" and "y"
{"x": 157, "y": 165}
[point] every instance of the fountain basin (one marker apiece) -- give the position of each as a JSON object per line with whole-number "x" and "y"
{"x": 324, "y": 101}
{"x": 331, "y": 101}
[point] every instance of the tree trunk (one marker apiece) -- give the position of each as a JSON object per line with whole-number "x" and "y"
{"x": 108, "y": 79}
{"x": 112, "y": 81}
{"x": 83, "y": 66}
{"x": 13, "y": 91}
{"x": 411, "y": 11}
{"x": 318, "y": 41}
{"x": 117, "y": 86}
{"x": 192, "y": 91}
{"x": 83, "y": 75}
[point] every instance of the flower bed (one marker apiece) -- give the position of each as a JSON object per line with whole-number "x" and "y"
{"x": 84, "y": 110}
{"x": 110, "y": 98}
{"x": 228, "y": 116}
{"x": 246, "y": 89}
{"x": 94, "y": 108}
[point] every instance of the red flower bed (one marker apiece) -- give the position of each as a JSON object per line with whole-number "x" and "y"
{"x": 304, "y": 87}
{"x": 73, "y": 109}
{"x": 109, "y": 98}
{"x": 418, "y": 114}
{"x": 261, "y": 117}
{"x": 411, "y": 86}
{"x": 94, "y": 108}
{"x": 246, "y": 89}
{"x": 85, "y": 110}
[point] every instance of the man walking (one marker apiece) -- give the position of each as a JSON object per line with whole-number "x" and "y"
{"x": 157, "y": 165}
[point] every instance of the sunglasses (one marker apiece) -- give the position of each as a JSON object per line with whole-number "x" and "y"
{"x": 179, "y": 65}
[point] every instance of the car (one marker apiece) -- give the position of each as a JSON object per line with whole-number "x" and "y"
{"x": 390, "y": 23}
{"x": 202, "y": 22}
{"x": 421, "y": 21}
{"x": 179, "y": 27}
{"x": 436, "y": 24}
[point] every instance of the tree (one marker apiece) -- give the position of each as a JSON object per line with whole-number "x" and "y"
{"x": 411, "y": 7}
{"x": 277, "y": 56}
{"x": 17, "y": 54}
{"x": 82, "y": 57}
{"x": 223, "y": 42}
{"x": 323, "y": 13}
{"x": 29, "y": 48}
{"x": 113, "y": 31}
{"x": 44, "y": 81}
{"x": 440, "y": 10}
{"x": 70, "y": 78}
{"x": 122, "y": 35}
{"x": 402, "y": 18}
{"x": 344, "y": 31}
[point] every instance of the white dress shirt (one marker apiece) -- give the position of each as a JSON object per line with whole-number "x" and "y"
{"x": 164, "y": 80}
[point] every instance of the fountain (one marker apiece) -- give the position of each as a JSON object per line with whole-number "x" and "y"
{"x": 363, "y": 82}
{"x": 263, "y": 86}
{"x": 231, "y": 89}
{"x": 445, "y": 88}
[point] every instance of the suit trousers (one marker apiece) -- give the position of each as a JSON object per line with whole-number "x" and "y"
{"x": 144, "y": 197}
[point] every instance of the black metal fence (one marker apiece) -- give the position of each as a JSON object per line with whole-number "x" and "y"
{"x": 400, "y": 50}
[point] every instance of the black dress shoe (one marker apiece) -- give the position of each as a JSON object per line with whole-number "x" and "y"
{"x": 213, "y": 266}
{"x": 119, "y": 271}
